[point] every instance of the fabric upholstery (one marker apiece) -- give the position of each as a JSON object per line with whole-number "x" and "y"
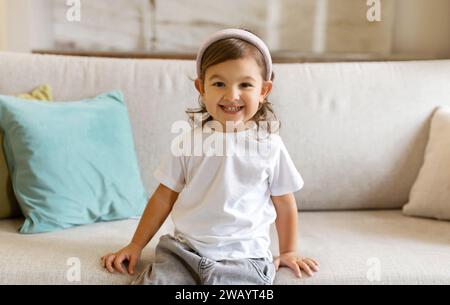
{"x": 357, "y": 132}
{"x": 430, "y": 194}
{"x": 337, "y": 118}
{"x": 347, "y": 245}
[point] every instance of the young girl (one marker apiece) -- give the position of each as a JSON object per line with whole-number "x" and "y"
{"x": 223, "y": 206}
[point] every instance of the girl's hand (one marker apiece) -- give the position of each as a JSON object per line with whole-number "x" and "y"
{"x": 297, "y": 263}
{"x": 113, "y": 261}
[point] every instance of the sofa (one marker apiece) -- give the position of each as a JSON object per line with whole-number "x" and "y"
{"x": 357, "y": 132}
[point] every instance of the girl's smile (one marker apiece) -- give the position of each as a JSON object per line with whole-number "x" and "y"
{"x": 231, "y": 109}
{"x": 233, "y": 90}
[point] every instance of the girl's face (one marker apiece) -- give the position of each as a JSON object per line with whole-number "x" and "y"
{"x": 232, "y": 91}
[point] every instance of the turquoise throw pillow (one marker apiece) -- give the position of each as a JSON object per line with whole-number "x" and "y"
{"x": 71, "y": 163}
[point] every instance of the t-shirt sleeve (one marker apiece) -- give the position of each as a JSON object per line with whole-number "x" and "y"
{"x": 284, "y": 177}
{"x": 170, "y": 172}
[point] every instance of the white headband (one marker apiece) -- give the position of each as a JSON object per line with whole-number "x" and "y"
{"x": 239, "y": 34}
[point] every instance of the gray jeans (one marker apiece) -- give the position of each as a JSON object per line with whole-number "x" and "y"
{"x": 177, "y": 264}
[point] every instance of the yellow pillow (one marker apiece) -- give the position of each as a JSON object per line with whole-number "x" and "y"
{"x": 42, "y": 93}
{"x": 8, "y": 203}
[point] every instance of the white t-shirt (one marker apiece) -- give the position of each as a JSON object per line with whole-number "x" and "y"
{"x": 224, "y": 209}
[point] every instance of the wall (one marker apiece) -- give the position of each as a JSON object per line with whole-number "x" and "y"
{"x": 422, "y": 27}
{"x": 26, "y": 25}
{"x": 174, "y": 25}
{"x": 187, "y": 30}
{"x": 286, "y": 25}
{"x": 103, "y": 26}
{"x": 348, "y": 29}
{"x": 2, "y": 25}
{"x": 295, "y": 23}
{"x": 17, "y": 24}
{"x": 407, "y": 27}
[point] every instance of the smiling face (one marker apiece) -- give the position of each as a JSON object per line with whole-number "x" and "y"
{"x": 233, "y": 90}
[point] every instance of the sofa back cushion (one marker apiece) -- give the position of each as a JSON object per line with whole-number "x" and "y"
{"x": 356, "y": 131}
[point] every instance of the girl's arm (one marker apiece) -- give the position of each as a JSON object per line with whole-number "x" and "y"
{"x": 155, "y": 213}
{"x": 286, "y": 224}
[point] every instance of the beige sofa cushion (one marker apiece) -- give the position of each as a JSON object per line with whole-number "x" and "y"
{"x": 337, "y": 118}
{"x": 430, "y": 194}
{"x": 360, "y": 247}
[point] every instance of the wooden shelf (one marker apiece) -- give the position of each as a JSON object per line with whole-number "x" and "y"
{"x": 277, "y": 57}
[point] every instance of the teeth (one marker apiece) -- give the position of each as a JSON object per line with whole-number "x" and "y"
{"x": 230, "y": 108}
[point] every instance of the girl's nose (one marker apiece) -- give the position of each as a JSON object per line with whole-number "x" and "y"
{"x": 232, "y": 94}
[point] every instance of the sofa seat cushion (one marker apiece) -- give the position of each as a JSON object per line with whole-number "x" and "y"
{"x": 353, "y": 247}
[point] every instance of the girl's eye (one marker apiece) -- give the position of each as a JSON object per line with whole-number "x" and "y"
{"x": 246, "y": 85}
{"x": 218, "y": 84}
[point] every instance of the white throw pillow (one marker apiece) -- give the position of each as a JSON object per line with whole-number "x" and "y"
{"x": 430, "y": 194}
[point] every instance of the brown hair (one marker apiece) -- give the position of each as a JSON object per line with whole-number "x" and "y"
{"x": 230, "y": 49}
